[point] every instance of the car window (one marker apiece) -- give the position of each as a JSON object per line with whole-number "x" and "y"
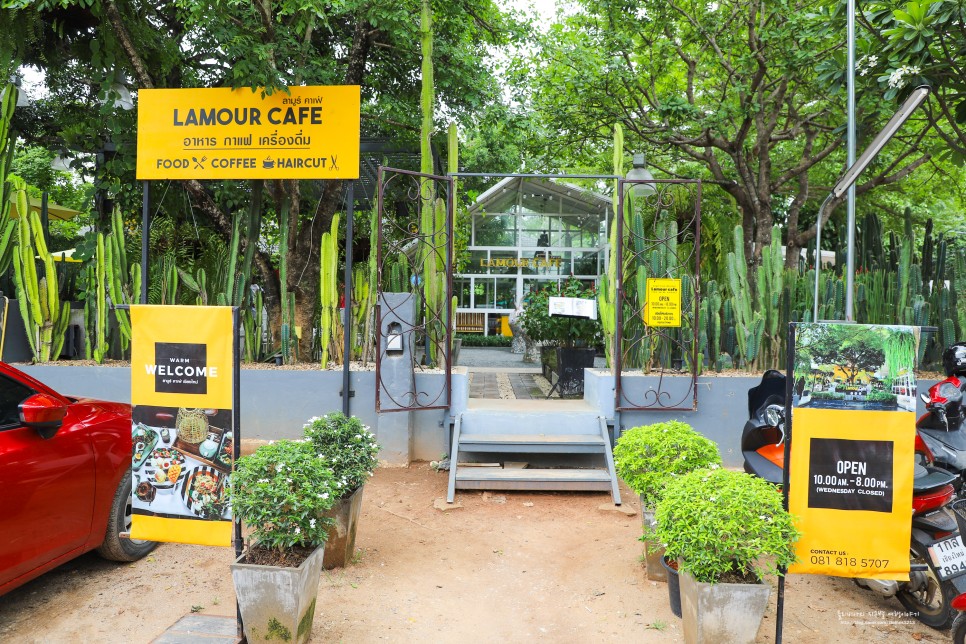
{"x": 12, "y": 393}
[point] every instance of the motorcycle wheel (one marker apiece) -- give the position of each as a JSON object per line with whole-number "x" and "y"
{"x": 959, "y": 629}
{"x": 931, "y": 604}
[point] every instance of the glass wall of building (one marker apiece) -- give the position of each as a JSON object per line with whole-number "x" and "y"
{"x": 527, "y": 233}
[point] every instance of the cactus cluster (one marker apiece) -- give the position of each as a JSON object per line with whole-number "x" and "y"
{"x": 45, "y": 317}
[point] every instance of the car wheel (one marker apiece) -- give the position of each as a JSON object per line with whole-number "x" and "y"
{"x": 114, "y": 547}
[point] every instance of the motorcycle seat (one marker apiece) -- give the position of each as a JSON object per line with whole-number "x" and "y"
{"x": 935, "y": 479}
{"x": 760, "y": 466}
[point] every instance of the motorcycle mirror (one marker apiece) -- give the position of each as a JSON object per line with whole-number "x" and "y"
{"x": 804, "y": 400}
{"x": 924, "y": 398}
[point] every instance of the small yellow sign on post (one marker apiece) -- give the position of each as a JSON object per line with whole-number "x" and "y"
{"x": 221, "y": 133}
{"x": 663, "y": 307}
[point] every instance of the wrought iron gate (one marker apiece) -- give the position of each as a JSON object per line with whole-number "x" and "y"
{"x": 414, "y": 258}
{"x": 658, "y": 236}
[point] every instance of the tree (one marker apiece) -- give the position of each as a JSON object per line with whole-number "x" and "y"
{"x": 268, "y": 45}
{"x": 725, "y": 88}
{"x": 916, "y": 42}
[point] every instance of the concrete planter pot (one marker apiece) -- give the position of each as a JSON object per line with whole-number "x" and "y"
{"x": 277, "y": 603}
{"x": 721, "y": 612}
{"x": 653, "y": 551}
{"x": 341, "y": 544}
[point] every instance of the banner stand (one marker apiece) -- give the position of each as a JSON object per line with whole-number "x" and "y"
{"x": 789, "y": 384}
{"x": 789, "y": 403}
{"x": 237, "y": 540}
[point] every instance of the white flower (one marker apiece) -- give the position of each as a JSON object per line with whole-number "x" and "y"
{"x": 298, "y": 530}
{"x": 324, "y": 495}
{"x": 312, "y": 523}
{"x": 280, "y": 467}
{"x": 263, "y": 480}
{"x": 712, "y": 6}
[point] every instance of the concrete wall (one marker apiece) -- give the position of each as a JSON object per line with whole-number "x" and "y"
{"x": 722, "y": 405}
{"x": 275, "y": 403}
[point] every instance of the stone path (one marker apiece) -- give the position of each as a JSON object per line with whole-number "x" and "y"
{"x": 498, "y": 384}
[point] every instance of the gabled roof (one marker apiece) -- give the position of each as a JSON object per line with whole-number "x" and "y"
{"x": 536, "y": 193}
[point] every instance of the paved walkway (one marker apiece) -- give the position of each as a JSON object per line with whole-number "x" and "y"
{"x": 497, "y": 373}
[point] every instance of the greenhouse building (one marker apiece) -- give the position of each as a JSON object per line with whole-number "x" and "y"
{"x": 526, "y": 233}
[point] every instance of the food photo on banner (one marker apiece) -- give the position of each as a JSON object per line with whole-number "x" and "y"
{"x": 852, "y": 451}
{"x": 182, "y": 430}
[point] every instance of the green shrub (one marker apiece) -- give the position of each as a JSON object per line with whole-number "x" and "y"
{"x": 881, "y": 396}
{"x": 648, "y": 457}
{"x": 480, "y": 340}
{"x": 281, "y": 492}
{"x": 717, "y": 522}
{"x": 345, "y": 445}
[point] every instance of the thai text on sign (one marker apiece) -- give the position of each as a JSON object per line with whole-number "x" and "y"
{"x": 663, "y": 306}
{"x": 221, "y": 133}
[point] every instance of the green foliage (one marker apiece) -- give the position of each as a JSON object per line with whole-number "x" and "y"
{"x": 480, "y": 340}
{"x": 45, "y": 317}
{"x": 345, "y": 445}
{"x": 648, "y": 457}
{"x": 719, "y": 521}
{"x": 281, "y": 493}
{"x": 562, "y": 331}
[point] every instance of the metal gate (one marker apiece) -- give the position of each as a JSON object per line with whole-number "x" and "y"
{"x": 658, "y": 236}
{"x": 414, "y": 261}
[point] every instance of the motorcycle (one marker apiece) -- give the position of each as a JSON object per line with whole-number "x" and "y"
{"x": 937, "y": 556}
{"x": 942, "y": 427}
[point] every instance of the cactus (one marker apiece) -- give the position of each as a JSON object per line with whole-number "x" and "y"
{"x": 8, "y": 103}
{"x": 44, "y": 315}
{"x": 328, "y": 288}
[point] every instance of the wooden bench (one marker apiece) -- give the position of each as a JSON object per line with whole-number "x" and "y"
{"x": 470, "y": 322}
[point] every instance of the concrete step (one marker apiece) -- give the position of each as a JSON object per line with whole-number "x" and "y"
{"x": 533, "y": 443}
{"x": 531, "y": 417}
{"x": 491, "y": 478}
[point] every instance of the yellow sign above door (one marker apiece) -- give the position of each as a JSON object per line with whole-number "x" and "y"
{"x": 663, "y": 302}
{"x": 221, "y": 133}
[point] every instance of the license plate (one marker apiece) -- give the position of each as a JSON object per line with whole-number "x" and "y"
{"x": 949, "y": 557}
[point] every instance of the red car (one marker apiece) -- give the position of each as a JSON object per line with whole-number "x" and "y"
{"x": 65, "y": 479}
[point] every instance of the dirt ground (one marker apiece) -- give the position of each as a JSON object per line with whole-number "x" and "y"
{"x": 508, "y": 567}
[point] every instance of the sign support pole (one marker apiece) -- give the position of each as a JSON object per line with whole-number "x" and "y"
{"x": 236, "y": 448}
{"x": 789, "y": 388}
{"x": 347, "y": 300}
{"x": 145, "y": 238}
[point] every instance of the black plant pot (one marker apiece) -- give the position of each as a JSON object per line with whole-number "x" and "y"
{"x": 673, "y": 587}
{"x": 570, "y": 369}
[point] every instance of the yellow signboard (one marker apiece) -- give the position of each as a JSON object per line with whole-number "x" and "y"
{"x": 221, "y": 133}
{"x": 663, "y": 306}
{"x": 183, "y": 429}
{"x": 852, "y": 457}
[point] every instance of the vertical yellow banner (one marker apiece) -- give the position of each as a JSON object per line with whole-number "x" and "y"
{"x": 182, "y": 370}
{"x": 853, "y": 449}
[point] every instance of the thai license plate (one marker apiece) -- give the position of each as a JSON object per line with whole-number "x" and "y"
{"x": 949, "y": 557}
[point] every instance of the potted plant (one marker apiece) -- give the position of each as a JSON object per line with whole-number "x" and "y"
{"x": 647, "y": 458}
{"x": 349, "y": 448}
{"x": 281, "y": 493}
{"x": 728, "y": 530}
{"x": 569, "y": 343}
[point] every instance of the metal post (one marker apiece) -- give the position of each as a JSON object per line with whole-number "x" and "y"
{"x": 347, "y": 300}
{"x": 236, "y": 432}
{"x": 818, "y": 251}
{"x": 850, "y": 79}
{"x": 145, "y": 238}
{"x": 789, "y": 388}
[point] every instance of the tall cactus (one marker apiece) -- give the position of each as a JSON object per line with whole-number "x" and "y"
{"x": 328, "y": 287}
{"x": 45, "y": 316}
{"x": 8, "y": 103}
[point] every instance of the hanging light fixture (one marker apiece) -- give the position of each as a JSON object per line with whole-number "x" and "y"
{"x": 639, "y": 172}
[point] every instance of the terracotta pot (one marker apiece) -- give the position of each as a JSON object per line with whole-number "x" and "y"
{"x": 341, "y": 544}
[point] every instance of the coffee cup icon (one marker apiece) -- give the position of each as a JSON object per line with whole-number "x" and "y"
{"x": 268, "y": 163}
